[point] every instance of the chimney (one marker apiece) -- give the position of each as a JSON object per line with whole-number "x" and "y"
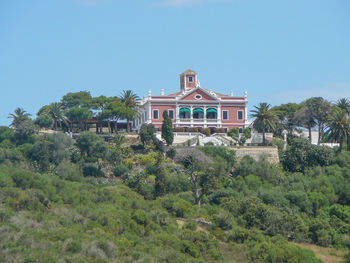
{"x": 162, "y": 92}
{"x": 149, "y": 93}
{"x": 231, "y": 93}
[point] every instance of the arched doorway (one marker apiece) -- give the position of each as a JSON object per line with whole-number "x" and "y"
{"x": 198, "y": 113}
{"x": 185, "y": 113}
{"x": 212, "y": 113}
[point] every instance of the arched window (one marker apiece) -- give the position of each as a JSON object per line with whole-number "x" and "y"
{"x": 185, "y": 113}
{"x": 212, "y": 113}
{"x": 198, "y": 113}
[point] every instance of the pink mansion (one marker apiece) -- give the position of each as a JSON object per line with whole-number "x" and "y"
{"x": 194, "y": 106}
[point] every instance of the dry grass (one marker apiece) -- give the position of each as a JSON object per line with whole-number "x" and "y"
{"x": 180, "y": 224}
{"x": 327, "y": 255}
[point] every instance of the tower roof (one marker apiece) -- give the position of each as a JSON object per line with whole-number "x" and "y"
{"x": 189, "y": 71}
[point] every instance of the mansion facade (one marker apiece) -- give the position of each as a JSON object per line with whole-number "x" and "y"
{"x": 194, "y": 106}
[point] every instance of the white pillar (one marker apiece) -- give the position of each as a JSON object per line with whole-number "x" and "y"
{"x": 149, "y": 112}
{"x": 205, "y": 116}
{"x": 191, "y": 108}
{"x": 219, "y": 116}
{"x": 177, "y": 115}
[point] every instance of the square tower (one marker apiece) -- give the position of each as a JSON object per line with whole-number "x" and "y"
{"x": 188, "y": 80}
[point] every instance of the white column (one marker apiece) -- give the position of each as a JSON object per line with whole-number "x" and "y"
{"x": 177, "y": 115}
{"x": 205, "y": 116}
{"x": 191, "y": 108}
{"x": 219, "y": 115}
{"x": 149, "y": 112}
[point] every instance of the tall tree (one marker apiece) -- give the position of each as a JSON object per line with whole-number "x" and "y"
{"x": 196, "y": 165}
{"x": 18, "y": 117}
{"x": 285, "y": 114}
{"x": 338, "y": 128}
{"x": 167, "y": 129}
{"x": 80, "y": 116}
{"x": 344, "y": 105}
{"x": 56, "y": 113}
{"x": 320, "y": 110}
{"x": 129, "y": 98}
{"x": 114, "y": 110}
{"x": 303, "y": 118}
{"x": 99, "y": 104}
{"x": 265, "y": 119}
{"x": 81, "y": 99}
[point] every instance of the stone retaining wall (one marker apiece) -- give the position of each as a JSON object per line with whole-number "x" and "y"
{"x": 271, "y": 152}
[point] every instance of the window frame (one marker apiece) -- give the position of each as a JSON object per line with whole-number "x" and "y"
{"x": 227, "y": 115}
{"x": 190, "y": 79}
{"x": 157, "y": 114}
{"x": 238, "y": 115}
{"x": 169, "y": 113}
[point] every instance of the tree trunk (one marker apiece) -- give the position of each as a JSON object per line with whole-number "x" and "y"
{"x": 319, "y": 134}
{"x": 340, "y": 145}
{"x": 310, "y": 134}
{"x": 55, "y": 124}
{"x": 127, "y": 125}
{"x": 109, "y": 126}
{"x": 264, "y": 139}
{"x": 115, "y": 127}
{"x": 97, "y": 128}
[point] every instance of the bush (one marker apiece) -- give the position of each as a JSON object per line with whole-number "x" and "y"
{"x": 120, "y": 170}
{"x": 206, "y": 131}
{"x": 92, "y": 170}
{"x": 179, "y": 129}
{"x": 68, "y": 171}
{"x": 171, "y": 153}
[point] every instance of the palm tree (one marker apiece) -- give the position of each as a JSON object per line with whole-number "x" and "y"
{"x": 56, "y": 112}
{"x": 265, "y": 119}
{"x": 344, "y": 105}
{"x": 129, "y": 98}
{"x": 18, "y": 117}
{"x": 338, "y": 128}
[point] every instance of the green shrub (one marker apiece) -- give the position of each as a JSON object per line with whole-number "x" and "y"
{"x": 120, "y": 170}
{"x": 68, "y": 171}
{"x": 92, "y": 170}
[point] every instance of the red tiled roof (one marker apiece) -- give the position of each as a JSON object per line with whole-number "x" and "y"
{"x": 189, "y": 71}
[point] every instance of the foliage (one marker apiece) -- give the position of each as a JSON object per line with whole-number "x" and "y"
{"x": 120, "y": 170}
{"x": 44, "y": 121}
{"x": 146, "y": 133}
{"x": 265, "y": 119}
{"x": 338, "y": 128}
{"x": 167, "y": 129}
{"x": 81, "y": 99}
{"x": 91, "y": 145}
{"x": 302, "y": 154}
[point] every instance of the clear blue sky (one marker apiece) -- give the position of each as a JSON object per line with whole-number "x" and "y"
{"x": 279, "y": 51}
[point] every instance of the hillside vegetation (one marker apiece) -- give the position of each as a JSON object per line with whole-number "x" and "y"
{"x": 83, "y": 200}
